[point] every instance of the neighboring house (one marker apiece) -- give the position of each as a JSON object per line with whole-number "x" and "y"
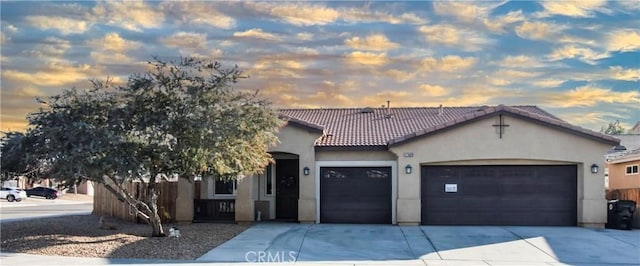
{"x": 624, "y": 170}
{"x": 86, "y": 187}
{"x": 635, "y": 129}
{"x": 623, "y": 177}
{"x": 13, "y": 183}
{"x": 497, "y": 165}
{"x": 614, "y": 174}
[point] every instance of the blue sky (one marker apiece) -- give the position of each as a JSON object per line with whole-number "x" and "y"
{"x": 578, "y": 60}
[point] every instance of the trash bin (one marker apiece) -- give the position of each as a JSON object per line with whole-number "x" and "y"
{"x": 620, "y": 214}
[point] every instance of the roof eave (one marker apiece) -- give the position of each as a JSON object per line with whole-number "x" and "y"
{"x": 624, "y": 157}
{"x": 352, "y": 148}
{"x": 303, "y": 124}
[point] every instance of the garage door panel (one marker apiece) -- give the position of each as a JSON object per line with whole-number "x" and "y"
{"x": 358, "y": 204}
{"x": 355, "y": 195}
{"x": 500, "y": 195}
{"x": 353, "y": 217}
{"x": 451, "y": 205}
{"x": 514, "y": 218}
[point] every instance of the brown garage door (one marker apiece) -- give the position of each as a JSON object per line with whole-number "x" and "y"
{"x": 499, "y": 195}
{"x": 355, "y": 195}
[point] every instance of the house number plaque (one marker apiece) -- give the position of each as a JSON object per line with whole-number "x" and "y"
{"x": 450, "y": 188}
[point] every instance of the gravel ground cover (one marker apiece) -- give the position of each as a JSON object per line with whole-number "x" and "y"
{"x": 81, "y": 236}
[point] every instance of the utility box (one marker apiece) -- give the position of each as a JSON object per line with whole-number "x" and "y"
{"x": 262, "y": 207}
{"x": 620, "y": 214}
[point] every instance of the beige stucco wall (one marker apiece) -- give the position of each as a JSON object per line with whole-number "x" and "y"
{"x": 618, "y": 177}
{"x": 301, "y": 142}
{"x": 244, "y": 200}
{"x": 204, "y": 187}
{"x": 294, "y": 140}
{"x": 86, "y": 187}
{"x": 523, "y": 142}
{"x": 184, "y": 201}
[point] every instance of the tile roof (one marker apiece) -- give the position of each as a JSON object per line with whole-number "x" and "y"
{"x": 304, "y": 124}
{"x": 351, "y": 128}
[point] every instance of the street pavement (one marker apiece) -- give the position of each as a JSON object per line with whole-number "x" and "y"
{"x": 35, "y": 207}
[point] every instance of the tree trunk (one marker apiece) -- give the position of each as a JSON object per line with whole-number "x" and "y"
{"x": 152, "y": 201}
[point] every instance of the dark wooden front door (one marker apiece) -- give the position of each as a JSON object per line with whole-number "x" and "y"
{"x": 355, "y": 195}
{"x": 543, "y": 195}
{"x": 287, "y": 188}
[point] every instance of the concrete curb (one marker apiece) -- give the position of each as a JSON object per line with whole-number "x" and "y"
{"x": 33, "y": 203}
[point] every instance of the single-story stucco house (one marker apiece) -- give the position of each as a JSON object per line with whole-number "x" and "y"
{"x": 498, "y": 165}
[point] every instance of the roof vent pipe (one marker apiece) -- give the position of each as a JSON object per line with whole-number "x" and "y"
{"x": 388, "y": 115}
{"x": 441, "y": 111}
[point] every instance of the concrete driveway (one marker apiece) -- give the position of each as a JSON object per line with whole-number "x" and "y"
{"x": 431, "y": 245}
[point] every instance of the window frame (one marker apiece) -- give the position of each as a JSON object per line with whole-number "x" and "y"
{"x": 629, "y": 169}
{"x": 233, "y": 194}
{"x": 269, "y": 175}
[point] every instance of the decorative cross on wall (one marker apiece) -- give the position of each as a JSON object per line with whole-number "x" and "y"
{"x": 501, "y": 125}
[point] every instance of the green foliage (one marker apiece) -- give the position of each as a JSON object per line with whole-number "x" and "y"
{"x": 613, "y": 128}
{"x": 17, "y": 156}
{"x": 72, "y": 137}
{"x": 181, "y": 118}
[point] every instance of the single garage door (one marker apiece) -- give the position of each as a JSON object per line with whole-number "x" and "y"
{"x": 499, "y": 195}
{"x": 355, "y": 195}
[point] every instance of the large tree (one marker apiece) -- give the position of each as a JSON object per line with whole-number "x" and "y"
{"x": 17, "y": 157}
{"x": 182, "y": 118}
{"x": 613, "y": 128}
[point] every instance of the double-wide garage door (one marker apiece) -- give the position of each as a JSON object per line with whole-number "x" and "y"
{"x": 355, "y": 195}
{"x": 499, "y": 195}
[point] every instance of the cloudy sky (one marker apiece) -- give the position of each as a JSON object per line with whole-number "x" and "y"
{"x": 578, "y": 60}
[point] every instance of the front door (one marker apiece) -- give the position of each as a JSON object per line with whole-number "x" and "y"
{"x": 287, "y": 175}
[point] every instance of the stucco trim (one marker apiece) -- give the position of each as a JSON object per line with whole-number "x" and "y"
{"x": 499, "y": 161}
{"x": 394, "y": 180}
{"x": 501, "y": 109}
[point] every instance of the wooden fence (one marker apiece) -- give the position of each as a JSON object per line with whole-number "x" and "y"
{"x": 624, "y": 194}
{"x": 627, "y": 194}
{"x": 107, "y": 204}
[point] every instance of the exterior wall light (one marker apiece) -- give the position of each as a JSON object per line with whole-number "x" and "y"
{"x": 594, "y": 168}
{"x": 408, "y": 169}
{"x": 305, "y": 170}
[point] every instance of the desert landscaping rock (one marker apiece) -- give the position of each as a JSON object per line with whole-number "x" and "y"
{"x": 80, "y": 236}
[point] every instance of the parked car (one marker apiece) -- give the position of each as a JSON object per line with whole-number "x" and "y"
{"x": 48, "y": 193}
{"x": 12, "y": 193}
